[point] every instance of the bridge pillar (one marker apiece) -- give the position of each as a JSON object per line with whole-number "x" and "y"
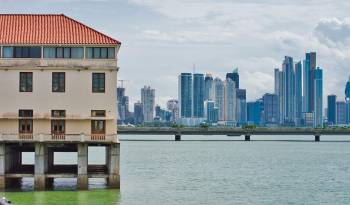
{"x": 82, "y": 181}
{"x": 113, "y": 158}
{"x": 177, "y": 137}
{"x": 247, "y": 138}
{"x": 317, "y": 138}
{"x": 40, "y": 166}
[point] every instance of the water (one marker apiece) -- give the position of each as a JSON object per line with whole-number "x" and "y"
{"x": 216, "y": 172}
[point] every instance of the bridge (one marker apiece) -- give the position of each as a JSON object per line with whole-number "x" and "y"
{"x": 231, "y": 131}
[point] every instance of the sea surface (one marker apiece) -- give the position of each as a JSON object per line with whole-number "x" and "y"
{"x": 213, "y": 170}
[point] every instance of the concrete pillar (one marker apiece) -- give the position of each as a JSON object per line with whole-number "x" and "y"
{"x": 40, "y": 166}
{"x": 317, "y": 138}
{"x": 83, "y": 181}
{"x": 50, "y": 159}
{"x": 247, "y": 138}
{"x": 2, "y": 166}
{"x": 113, "y": 165}
{"x": 177, "y": 137}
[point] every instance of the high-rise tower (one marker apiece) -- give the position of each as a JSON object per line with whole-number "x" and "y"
{"x": 318, "y": 97}
{"x": 198, "y": 95}
{"x": 185, "y": 95}
{"x": 234, "y": 76}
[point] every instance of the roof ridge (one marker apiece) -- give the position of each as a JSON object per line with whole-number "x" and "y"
{"x": 49, "y": 29}
{"x": 25, "y": 14}
{"x": 90, "y": 28}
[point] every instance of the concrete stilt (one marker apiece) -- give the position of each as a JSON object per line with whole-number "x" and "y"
{"x": 40, "y": 166}
{"x": 317, "y": 138}
{"x": 83, "y": 181}
{"x": 113, "y": 165}
{"x": 177, "y": 137}
{"x": 247, "y": 138}
{"x": 2, "y": 166}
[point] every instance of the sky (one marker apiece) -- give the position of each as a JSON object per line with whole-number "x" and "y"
{"x": 162, "y": 38}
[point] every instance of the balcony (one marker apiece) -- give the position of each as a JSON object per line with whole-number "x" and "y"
{"x": 73, "y": 138}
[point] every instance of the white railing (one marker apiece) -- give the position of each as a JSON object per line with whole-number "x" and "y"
{"x": 28, "y": 137}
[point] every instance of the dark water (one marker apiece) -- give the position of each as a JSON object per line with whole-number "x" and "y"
{"x": 216, "y": 172}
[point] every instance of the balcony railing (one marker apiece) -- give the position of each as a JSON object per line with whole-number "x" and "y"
{"x": 25, "y": 136}
{"x": 29, "y": 137}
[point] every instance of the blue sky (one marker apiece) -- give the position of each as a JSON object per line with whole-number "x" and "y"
{"x": 161, "y": 38}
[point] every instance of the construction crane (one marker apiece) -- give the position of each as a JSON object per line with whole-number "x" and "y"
{"x": 122, "y": 82}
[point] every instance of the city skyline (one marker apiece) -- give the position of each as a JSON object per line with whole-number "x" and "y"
{"x": 297, "y": 99}
{"x": 302, "y": 76}
{"x": 216, "y": 36}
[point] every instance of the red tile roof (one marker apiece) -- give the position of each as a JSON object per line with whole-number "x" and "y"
{"x": 48, "y": 29}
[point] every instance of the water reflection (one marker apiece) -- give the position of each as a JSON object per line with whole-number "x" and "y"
{"x": 63, "y": 193}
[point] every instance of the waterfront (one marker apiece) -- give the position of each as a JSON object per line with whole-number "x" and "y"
{"x": 216, "y": 172}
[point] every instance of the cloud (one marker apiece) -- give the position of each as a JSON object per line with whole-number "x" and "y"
{"x": 334, "y": 32}
{"x": 188, "y": 36}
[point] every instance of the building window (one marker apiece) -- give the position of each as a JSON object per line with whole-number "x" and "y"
{"x": 98, "y": 113}
{"x": 58, "y": 125}
{"x": 100, "y": 52}
{"x": 26, "y": 121}
{"x": 98, "y": 126}
{"x": 58, "y": 81}
{"x": 58, "y": 113}
{"x": 26, "y": 82}
{"x": 98, "y": 82}
{"x": 21, "y": 52}
{"x": 64, "y": 52}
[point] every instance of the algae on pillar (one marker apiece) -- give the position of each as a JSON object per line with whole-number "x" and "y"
{"x": 113, "y": 155}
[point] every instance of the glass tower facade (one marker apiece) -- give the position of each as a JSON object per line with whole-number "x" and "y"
{"x": 288, "y": 92}
{"x": 318, "y": 97}
{"x": 219, "y": 90}
{"x": 198, "y": 95}
{"x": 208, "y": 87}
{"x": 234, "y": 76}
{"x": 185, "y": 95}
{"x": 331, "y": 109}
{"x": 298, "y": 93}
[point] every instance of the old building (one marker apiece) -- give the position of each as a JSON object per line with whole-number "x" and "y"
{"x": 58, "y": 84}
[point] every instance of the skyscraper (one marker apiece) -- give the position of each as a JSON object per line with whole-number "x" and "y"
{"x": 347, "y": 90}
{"x": 122, "y": 105}
{"x": 219, "y": 97}
{"x": 347, "y": 101}
{"x": 310, "y": 67}
{"x": 148, "y": 103}
{"x": 211, "y": 112}
{"x": 341, "y": 113}
{"x": 331, "y": 109}
{"x": 318, "y": 97}
{"x": 279, "y": 93}
{"x": 254, "y": 112}
{"x": 173, "y": 107}
{"x": 230, "y": 102}
{"x": 241, "y": 107}
{"x": 234, "y": 76}
{"x": 138, "y": 113}
{"x": 208, "y": 88}
{"x": 271, "y": 109}
{"x": 298, "y": 93}
{"x": 185, "y": 95}
{"x": 288, "y": 92}
{"x": 198, "y": 95}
